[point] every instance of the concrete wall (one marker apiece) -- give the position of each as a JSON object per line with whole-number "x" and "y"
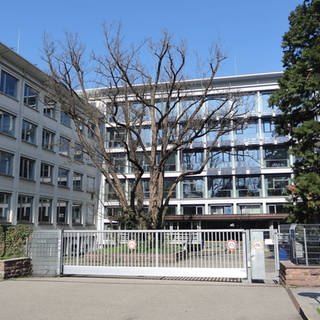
{"x": 299, "y": 275}
{"x": 45, "y": 253}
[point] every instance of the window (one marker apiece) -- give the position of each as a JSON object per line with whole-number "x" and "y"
{"x": 24, "y": 213}
{"x": 248, "y": 131}
{"x": 192, "y": 160}
{"x": 27, "y": 167}
{"x": 46, "y": 173}
{"x": 48, "y": 139}
{"x": 63, "y": 177}
{"x": 65, "y": 119}
{"x": 78, "y": 153}
{"x": 248, "y": 186}
{"x": 6, "y": 162}
{"x": 64, "y": 146}
{"x": 193, "y": 188}
{"x": 7, "y": 123}
{"x": 167, "y": 185}
{"x": 269, "y": 129}
{"x": 29, "y": 132}
{"x": 145, "y": 136}
{"x": 91, "y": 182}
{"x": 221, "y": 209}
{"x": 219, "y": 187}
{"x": 248, "y": 158}
{"x": 170, "y": 163}
{"x": 76, "y": 213}
{"x": 192, "y": 210}
{"x": 91, "y": 130}
{"x": 245, "y": 104}
{"x": 276, "y": 157}
{"x": 77, "y": 181}
{"x": 220, "y": 159}
{"x": 45, "y": 211}
{"x": 250, "y": 209}
{"x": 5, "y": 199}
{"x": 62, "y": 212}
{"x": 115, "y": 137}
{"x": 145, "y": 188}
{"x": 112, "y": 212}
{"x": 110, "y": 193}
{"x": 90, "y": 215}
{"x": 31, "y": 97}
{"x": 277, "y": 185}
{"x": 49, "y": 108}
{"x": 274, "y": 208}
{"x": 119, "y": 162}
{"x": 8, "y": 84}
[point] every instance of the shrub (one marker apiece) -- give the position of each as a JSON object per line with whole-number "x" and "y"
{"x": 14, "y": 240}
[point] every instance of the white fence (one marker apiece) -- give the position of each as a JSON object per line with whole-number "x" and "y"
{"x": 188, "y": 253}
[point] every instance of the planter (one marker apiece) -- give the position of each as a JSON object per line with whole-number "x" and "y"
{"x": 15, "y": 267}
{"x": 299, "y": 275}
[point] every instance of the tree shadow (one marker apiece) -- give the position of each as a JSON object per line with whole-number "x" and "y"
{"x": 312, "y": 295}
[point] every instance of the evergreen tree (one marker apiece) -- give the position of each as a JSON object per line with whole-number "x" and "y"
{"x": 299, "y": 99}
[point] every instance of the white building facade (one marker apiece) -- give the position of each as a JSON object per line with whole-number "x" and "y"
{"x": 45, "y": 179}
{"x": 245, "y": 184}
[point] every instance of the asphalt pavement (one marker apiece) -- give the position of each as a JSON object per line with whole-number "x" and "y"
{"x": 132, "y": 299}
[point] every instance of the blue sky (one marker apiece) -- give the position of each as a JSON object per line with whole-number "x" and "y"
{"x": 248, "y": 31}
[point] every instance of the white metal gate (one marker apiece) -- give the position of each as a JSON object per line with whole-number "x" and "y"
{"x": 170, "y": 253}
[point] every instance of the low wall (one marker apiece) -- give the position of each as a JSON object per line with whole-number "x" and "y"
{"x": 16, "y": 267}
{"x": 299, "y": 275}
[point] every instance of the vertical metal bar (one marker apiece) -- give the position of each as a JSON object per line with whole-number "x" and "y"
{"x": 78, "y": 247}
{"x": 305, "y": 246}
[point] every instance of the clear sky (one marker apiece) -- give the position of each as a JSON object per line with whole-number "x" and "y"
{"x": 248, "y": 31}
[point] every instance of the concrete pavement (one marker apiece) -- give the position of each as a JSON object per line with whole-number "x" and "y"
{"x": 307, "y": 300}
{"x": 133, "y": 299}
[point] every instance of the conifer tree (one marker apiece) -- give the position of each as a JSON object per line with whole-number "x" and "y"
{"x": 299, "y": 99}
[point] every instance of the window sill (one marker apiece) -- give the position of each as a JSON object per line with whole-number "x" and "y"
{"x": 78, "y": 190}
{"x": 47, "y": 183}
{"x": 64, "y": 187}
{"x": 35, "y": 108}
{"x": 77, "y": 224}
{"x": 9, "y": 96}
{"x": 28, "y": 180}
{"x": 8, "y": 135}
{"x": 45, "y": 223}
{"x": 24, "y": 222}
{"x": 48, "y": 150}
{"x": 30, "y": 143}
{"x": 52, "y": 118}
{"x": 6, "y": 175}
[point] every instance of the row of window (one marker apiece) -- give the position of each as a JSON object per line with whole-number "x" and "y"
{"x": 218, "y": 187}
{"x": 192, "y": 159}
{"x": 256, "y": 208}
{"x": 251, "y": 132}
{"x": 252, "y": 103}
{"x": 46, "y": 213}
{"x": 27, "y": 170}
{"x": 29, "y": 134}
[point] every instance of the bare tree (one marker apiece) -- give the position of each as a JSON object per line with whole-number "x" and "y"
{"x": 153, "y": 112}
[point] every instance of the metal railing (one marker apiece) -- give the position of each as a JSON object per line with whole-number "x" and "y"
{"x": 300, "y": 243}
{"x": 156, "y": 252}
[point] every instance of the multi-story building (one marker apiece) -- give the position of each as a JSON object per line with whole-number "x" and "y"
{"x": 45, "y": 178}
{"x": 245, "y": 183}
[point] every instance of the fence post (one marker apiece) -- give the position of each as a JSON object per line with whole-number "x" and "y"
{"x": 247, "y": 254}
{"x": 305, "y": 246}
{"x": 157, "y": 249}
{"x": 77, "y": 248}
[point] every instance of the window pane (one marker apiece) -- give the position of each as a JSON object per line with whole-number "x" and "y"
{"x": 24, "y": 212}
{"x": 248, "y": 186}
{"x": 193, "y": 188}
{"x": 48, "y": 140}
{"x": 6, "y": 161}
{"x": 192, "y": 160}
{"x": 46, "y": 173}
{"x": 30, "y": 96}
{"x": 7, "y": 123}
{"x": 63, "y": 177}
{"x": 27, "y": 168}
{"x": 64, "y": 146}
{"x": 29, "y": 132}
{"x": 62, "y": 212}
{"x": 45, "y": 208}
{"x": 5, "y": 199}
{"x": 8, "y": 84}
{"x": 219, "y": 187}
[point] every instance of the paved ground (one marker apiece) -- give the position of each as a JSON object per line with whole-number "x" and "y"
{"x": 133, "y": 299}
{"x": 309, "y": 301}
